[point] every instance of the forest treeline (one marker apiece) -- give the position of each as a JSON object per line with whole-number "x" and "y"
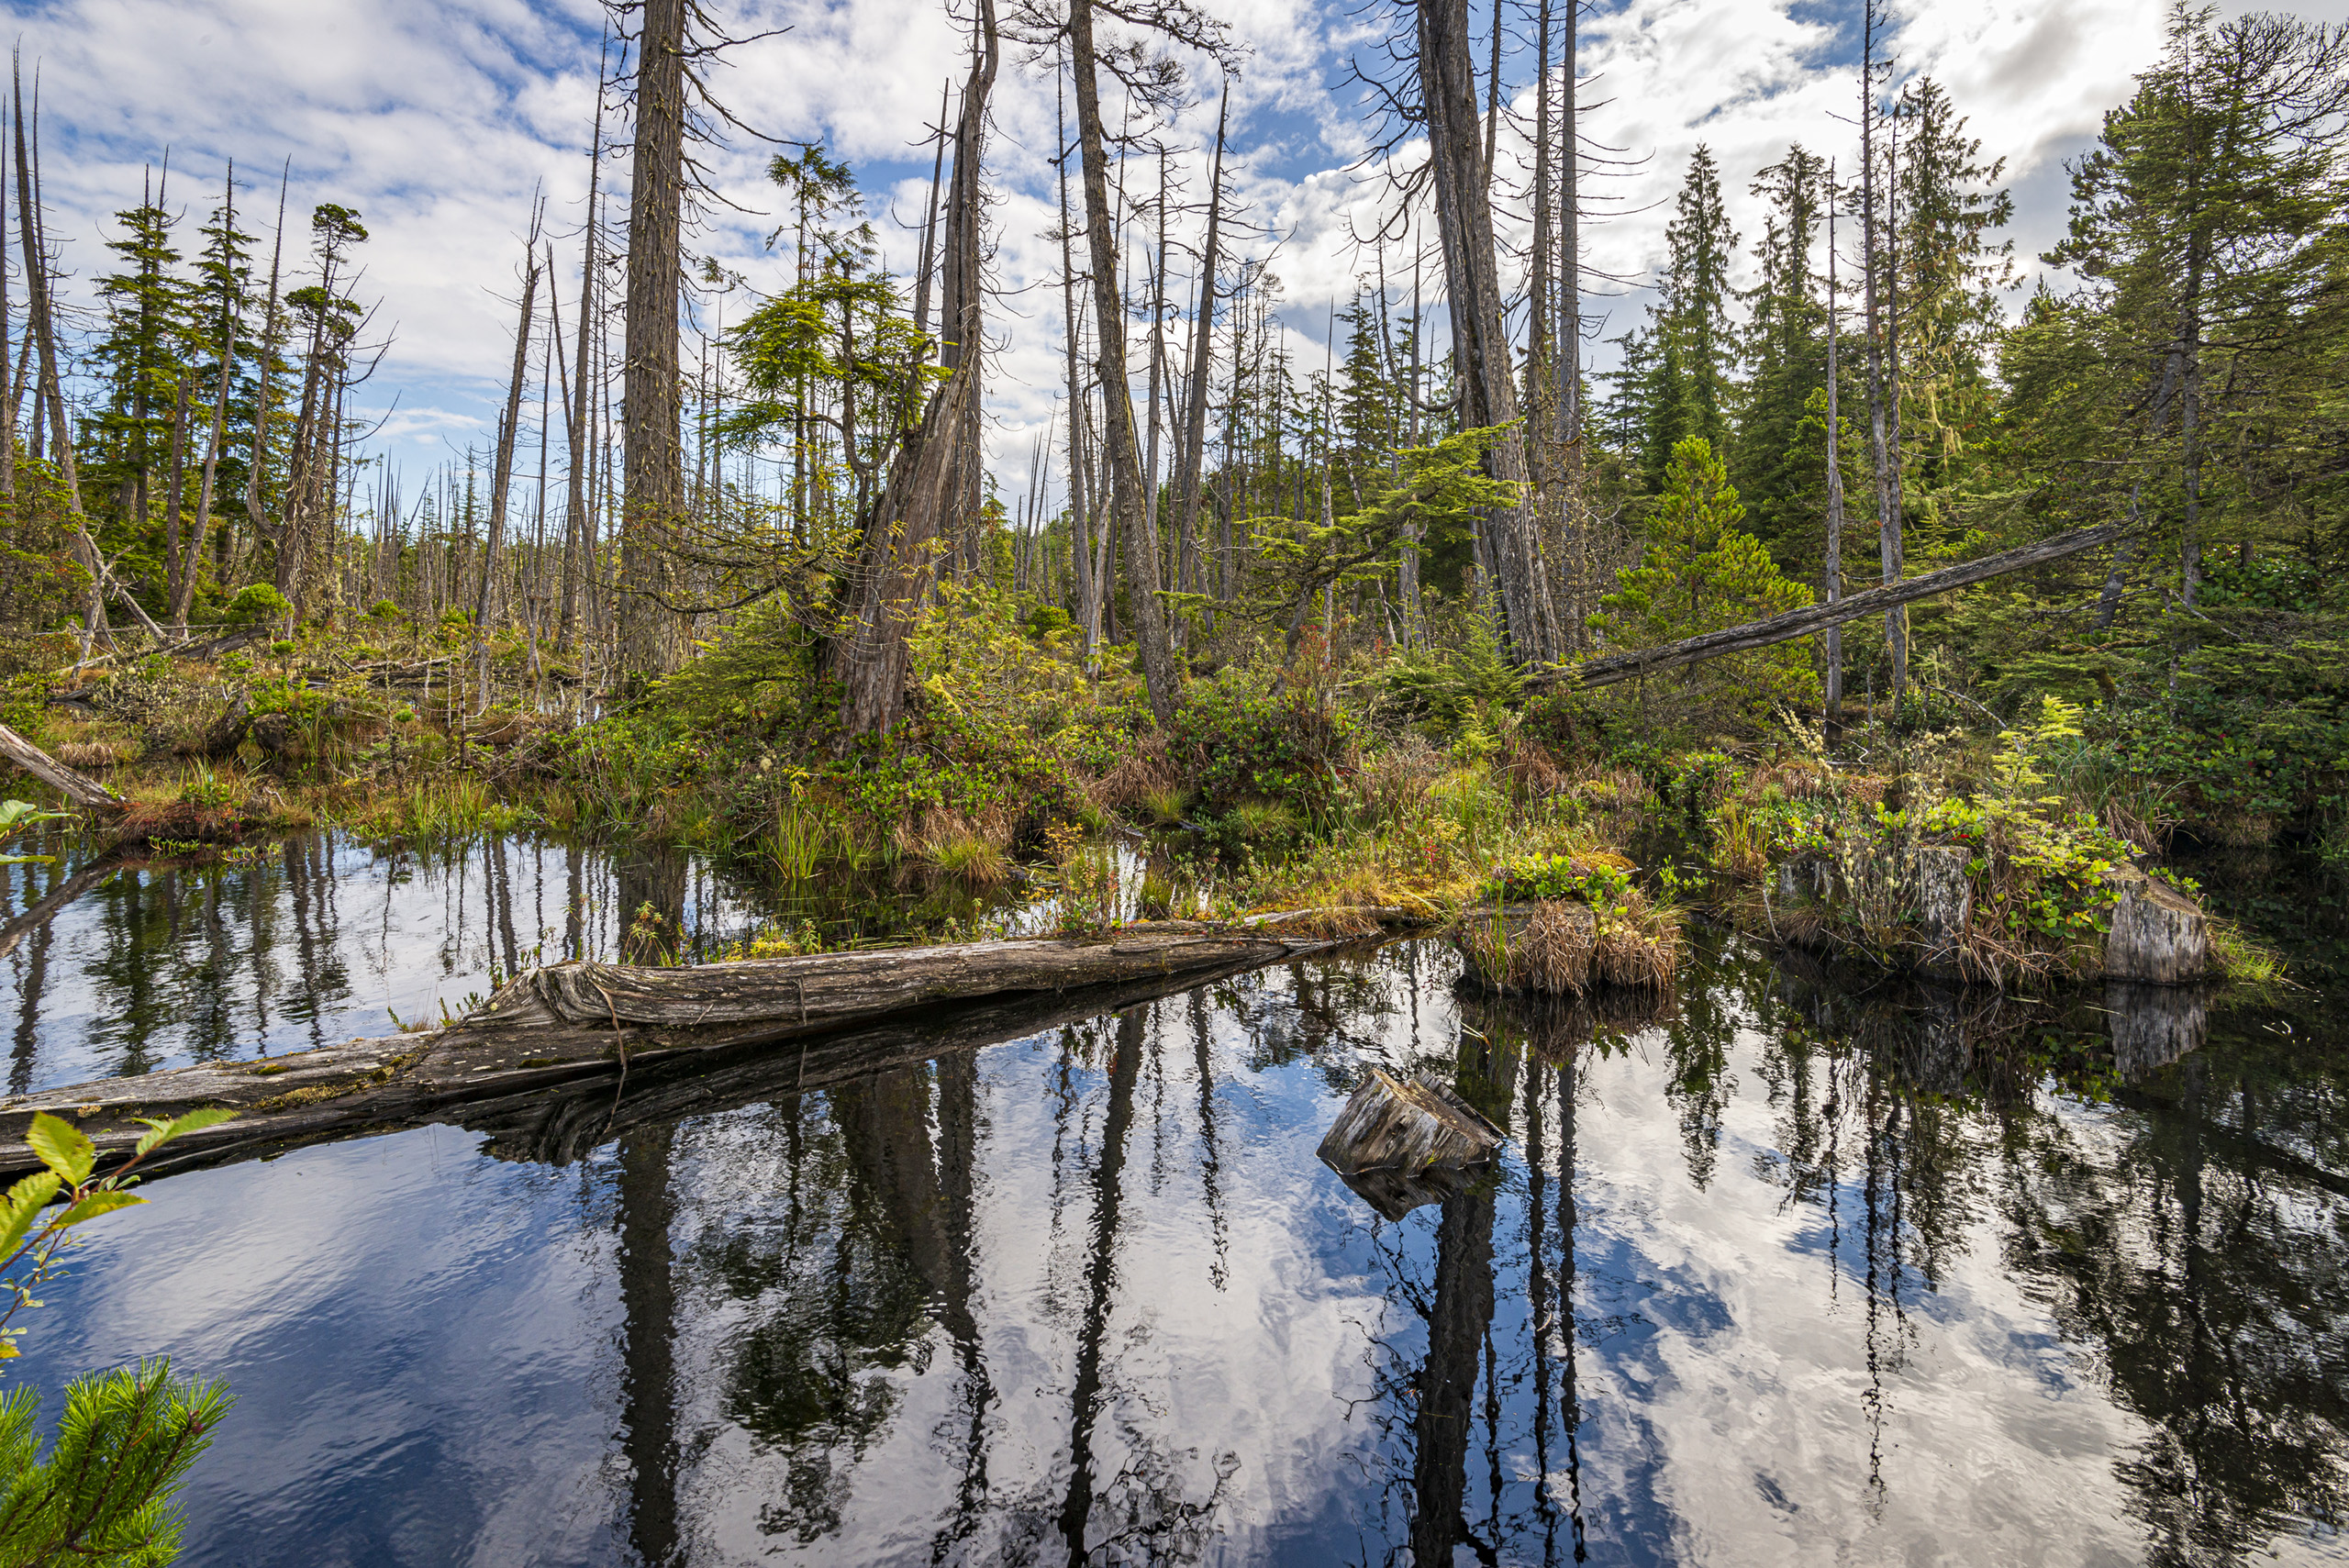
{"x": 793, "y": 528}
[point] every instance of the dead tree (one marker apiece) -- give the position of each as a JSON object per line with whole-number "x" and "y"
{"x": 1479, "y": 344}
{"x": 654, "y": 481}
{"x": 931, "y": 480}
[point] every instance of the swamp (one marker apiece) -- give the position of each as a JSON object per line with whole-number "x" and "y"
{"x": 1416, "y": 785}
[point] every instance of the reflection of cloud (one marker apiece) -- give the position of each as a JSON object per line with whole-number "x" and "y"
{"x": 436, "y": 118}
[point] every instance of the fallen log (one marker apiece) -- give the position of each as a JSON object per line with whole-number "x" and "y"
{"x": 1616, "y": 667}
{"x": 577, "y": 1027}
{"x": 78, "y": 787}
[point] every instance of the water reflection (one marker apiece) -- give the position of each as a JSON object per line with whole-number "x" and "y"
{"x": 113, "y": 969}
{"x": 1790, "y": 1271}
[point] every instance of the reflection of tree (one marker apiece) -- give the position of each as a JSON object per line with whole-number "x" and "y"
{"x": 1697, "y": 1043}
{"x": 838, "y": 1292}
{"x": 2198, "y": 1253}
{"x": 649, "y": 1301}
{"x": 2218, "y": 1295}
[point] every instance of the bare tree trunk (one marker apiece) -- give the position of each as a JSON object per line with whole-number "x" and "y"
{"x": 1194, "y": 415}
{"x": 42, "y": 326}
{"x": 1488, "y": 383}
{"x": 1160, "y": 671}
{"x": 654, "y": 499}
{"x": 1079, "y": 513}
{"x": 501, "y": 472}
{"x": 1886, "y": 462}
{"x": 1574, "y": 569}
{"x": 931, "y": 479}
{"x": 1834, "y": 649}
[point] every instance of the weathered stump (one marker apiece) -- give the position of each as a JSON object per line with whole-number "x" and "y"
{"x": 2158, "y": 935}
{"x": 1944, "y": 895}
{"x": 1400, "y": 1144}
{"x": 2152, "y": 1026}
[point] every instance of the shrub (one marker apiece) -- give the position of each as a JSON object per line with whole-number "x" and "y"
{"x": 254, "y": 603}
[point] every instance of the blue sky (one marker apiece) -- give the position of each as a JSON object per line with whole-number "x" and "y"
{"x": 436, "y": 118}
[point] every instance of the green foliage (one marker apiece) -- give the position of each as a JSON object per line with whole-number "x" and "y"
{"x": 254, "y": 603}
{"x": 16, "y": 814}
{"x": 1446, "y": 686}
{"x": 1598, "y": 885}
{"x": 1236, "y": 743}
{"x": 1701, "y": 572}
{"x": 103, "y": 1494}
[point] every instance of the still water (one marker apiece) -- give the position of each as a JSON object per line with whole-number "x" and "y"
{"x": 1795, "y": 1268}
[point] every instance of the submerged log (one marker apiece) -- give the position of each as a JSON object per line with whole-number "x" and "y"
{"x": 78, "y": 787}
{"x": 1400, "y": 1143}
{"x": 577, "y": 1028}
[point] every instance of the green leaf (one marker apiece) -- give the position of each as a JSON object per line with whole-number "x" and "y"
{"x": 62, "y": 1147}
{"x": 193, "y": 1121}
{"x": 96, "y": 1204}
{"x": 25, "y": 1202}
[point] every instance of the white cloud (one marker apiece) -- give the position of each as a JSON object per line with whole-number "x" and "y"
{"x": 437, "y": 119}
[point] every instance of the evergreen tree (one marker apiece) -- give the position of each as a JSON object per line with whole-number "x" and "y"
{"x": 143, "y": 356}
{"x": 1690, "y": 394}
{"x": 1786, "y": 347}
{"x": 1702, "y": 572}
{"x": 2203, "y": 223}
{"x": 1952, "y": 274}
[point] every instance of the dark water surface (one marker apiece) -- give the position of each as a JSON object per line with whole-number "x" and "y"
{"x": 1798, "y": 1269}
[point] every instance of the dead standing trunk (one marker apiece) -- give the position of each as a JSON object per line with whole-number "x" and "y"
{"x": 1159, "y": 670}
{"x": 501, "y": 473}
{"x": 1480, "y": 348}
{"x": 653, "y": 486}
{"x": 931, "y": 484}
{"x": 1194, "y": 417}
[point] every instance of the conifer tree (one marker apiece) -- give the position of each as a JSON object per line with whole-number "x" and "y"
{"x": 1952, "y": 275}
{"x": 1787, "y": 348}
{"x": 1702, "y": 572}
{"x": 1697, "y": 357}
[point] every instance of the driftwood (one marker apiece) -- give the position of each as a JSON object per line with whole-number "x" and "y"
{"x": 78, "y": 787}
{"x": 1401, "y": 1144}
{"x": 1616, "y": 667}
{"x": 577, "y": 1028}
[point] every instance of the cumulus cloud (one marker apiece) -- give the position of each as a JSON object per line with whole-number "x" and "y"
{"x": 438, "y": 120}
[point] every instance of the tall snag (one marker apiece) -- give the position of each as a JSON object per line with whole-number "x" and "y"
{"x": 1160, "y": 671}
{"x": 653, "y": 484}
{"x": 1480, "y": 344}
{"x": 933, "y": 480}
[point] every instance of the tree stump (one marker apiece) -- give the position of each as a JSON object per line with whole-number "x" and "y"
{"x": 2157, "y": 936}
{"x": 1400, "y": 1144}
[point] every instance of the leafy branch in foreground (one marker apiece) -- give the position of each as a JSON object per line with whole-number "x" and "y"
{"x": 103, "y": 1495}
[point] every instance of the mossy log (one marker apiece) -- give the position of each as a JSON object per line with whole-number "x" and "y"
{"x": 582, "y": 1027}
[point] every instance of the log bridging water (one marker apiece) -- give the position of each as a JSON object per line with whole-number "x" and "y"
{"x": 557, "y": 1032}
{"x": 1615, "y": 667}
